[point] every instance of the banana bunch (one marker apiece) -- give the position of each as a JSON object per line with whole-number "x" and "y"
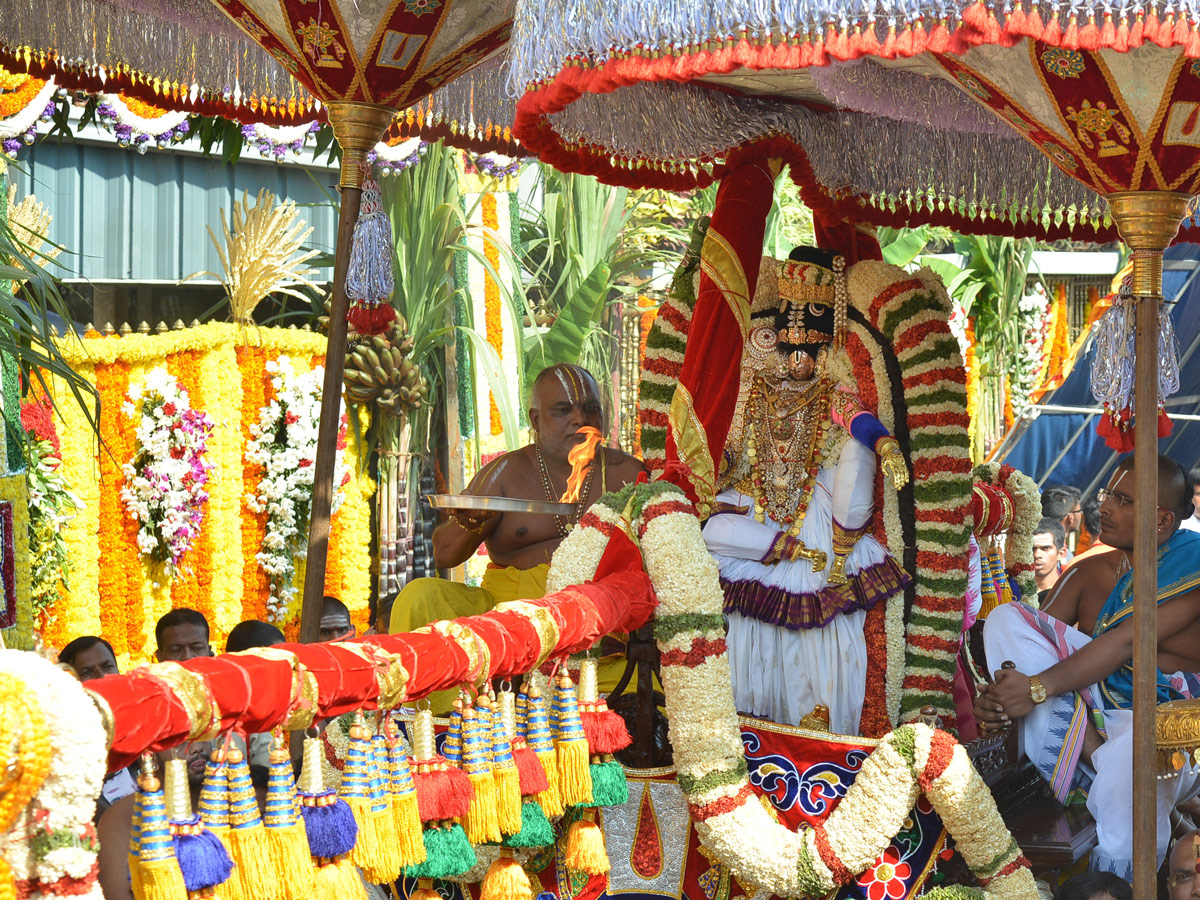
{"x": 379, "y": 371}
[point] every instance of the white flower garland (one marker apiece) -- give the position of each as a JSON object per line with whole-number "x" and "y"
{"x": 709, "y": 756}
{"x": 52, "y": 846}
{"x": 164, "y": 482}
{"x": 165, "y": 124}
{"x": 284, "y": 443}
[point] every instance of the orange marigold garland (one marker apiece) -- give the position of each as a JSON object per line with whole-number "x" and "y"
{"x": 121, "y": 613}
{"x": 489, "y": 209}
{"x": 256, "y": 393}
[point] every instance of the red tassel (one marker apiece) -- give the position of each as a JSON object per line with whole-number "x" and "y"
{"x": 991, "y": 29}
{"x": 1034, "y": 29}
{"x": 743, "y": 53}
{"x": 888, "y": 50}
{"x": 1070, "y": 38}
{"x": 1192, "y": 50}
{"x": 856, "y": 43}
{"x": 368, "y": 320}
{"x": 920, "y": 38}
{"x": 605, "y": 730}
{"x": 939, "y": 40}
{"x": 722, "y": 59}
{"x": 1137, "y": 33}
{"x": 869, "y": 42}
{"x": 1052, "y": 33}
{"x": 443, "y": 790}
{"x": 529, "y": 769}
{"x": 840, "y": 49}
{"x": 1089, "y": 34}
{"x": 975, "y": 17}
{"x": 904, "y": 43}
{"x": 1183, "y": 30}
{"x": 1151, "y": 27}
{"x": 1108, "y": 32}
{"x": 1164, "y": 423}
{"x": 1015, "y": 22}
{"x": 1120, "y": 39}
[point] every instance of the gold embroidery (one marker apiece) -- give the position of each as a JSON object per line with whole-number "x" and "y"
{"x": 543, "y": 623}
{"x": 691, "y": 442}
{"x": 191, "y": 689}
{"x": 719, "y": 261}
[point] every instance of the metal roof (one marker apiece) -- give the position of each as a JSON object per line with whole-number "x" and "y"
{"x": 127, "y": 217}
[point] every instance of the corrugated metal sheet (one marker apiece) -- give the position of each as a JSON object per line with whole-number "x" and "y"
{"x": 141, "y": 218}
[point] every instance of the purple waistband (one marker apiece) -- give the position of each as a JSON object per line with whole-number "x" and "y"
{"x": 795, "y": 612}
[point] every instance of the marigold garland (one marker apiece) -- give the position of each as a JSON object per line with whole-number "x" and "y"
{"x": 121, "y": 614}
{"x": 17, "y": 97}
{"x": 229, "y": 364}
{"x": 489, "y": 209}
{"x": 65, "y": 620}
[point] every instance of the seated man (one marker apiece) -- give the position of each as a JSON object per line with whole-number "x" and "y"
{"x": 1073, "y": 709}
{"x": 565, "y": 399}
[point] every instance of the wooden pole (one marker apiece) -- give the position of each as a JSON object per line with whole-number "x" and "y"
{"x": 358, "y": 127}
{"x": 1147, "y": 221}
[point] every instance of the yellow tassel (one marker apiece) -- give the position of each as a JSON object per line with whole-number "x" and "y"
{"x": 482, "y": 822}
{"x": 287, "y": 839}
{"x": 505, "y": 774}
{"x": 585, "y": 848}
{"x": 407, "y": 821}
{"x": 508, "y": 799}
{"x": 355, "y": 789}
{"x": 248, "y": 845}
{"x": 506, "y": 880}
{"x": 161, "y": 879}
{"x": 288, "y": 847}
{"x": 338, "y": 881}
{"x": 406, "y": 815}
{"x": 571, "y": 747}
{"x": 382, "y": 822}
{"x": 540, "y": 739}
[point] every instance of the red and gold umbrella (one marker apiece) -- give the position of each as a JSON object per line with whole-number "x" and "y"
{"x": 1093, "y": 127}
{"x": 364, "y": 59}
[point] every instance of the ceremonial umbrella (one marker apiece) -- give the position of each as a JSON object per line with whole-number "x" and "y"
{"x": 364, "y": 59}
{"x": 1092, "y": 119}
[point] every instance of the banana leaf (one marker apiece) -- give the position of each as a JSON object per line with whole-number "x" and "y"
{"x": 564, "y": 341}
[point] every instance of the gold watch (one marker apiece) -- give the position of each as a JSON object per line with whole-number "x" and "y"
{"x": 1037, "y": 691}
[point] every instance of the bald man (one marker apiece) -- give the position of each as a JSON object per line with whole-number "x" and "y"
{"x": 1071, "y": 690}
{"x": 564, "y": 400}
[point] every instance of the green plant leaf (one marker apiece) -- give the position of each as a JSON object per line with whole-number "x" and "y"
{"x": 566, "y": 337}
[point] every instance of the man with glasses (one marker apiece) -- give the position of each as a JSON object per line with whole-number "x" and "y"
{"x": 1182, "y": 883}
{"x": 1070, "y": 689}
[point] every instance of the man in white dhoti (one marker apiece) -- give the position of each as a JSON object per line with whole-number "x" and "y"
{"x": 1073, "y": 710}
{"x": 795, "y": 503}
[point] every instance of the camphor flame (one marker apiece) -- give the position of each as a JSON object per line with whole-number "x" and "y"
{"x": 580, "y": 458}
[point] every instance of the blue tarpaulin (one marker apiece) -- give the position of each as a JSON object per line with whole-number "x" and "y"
{"x": 1055, "y": 442}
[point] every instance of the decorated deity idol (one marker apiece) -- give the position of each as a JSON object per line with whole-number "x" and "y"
{"x": 790, "y": 526}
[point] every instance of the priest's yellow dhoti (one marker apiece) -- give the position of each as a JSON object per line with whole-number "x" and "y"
{"x": 427, "y": 600}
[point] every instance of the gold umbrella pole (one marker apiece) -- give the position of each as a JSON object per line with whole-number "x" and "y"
{"x": 358, "y": 127}
{"x": 1147, "y": 220}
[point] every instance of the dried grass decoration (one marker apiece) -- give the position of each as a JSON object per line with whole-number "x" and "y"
{"x": 263, "y": 254}
{"x": 29, "y": 222}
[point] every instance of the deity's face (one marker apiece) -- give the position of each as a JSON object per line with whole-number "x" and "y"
{"x": 800, "y": 365}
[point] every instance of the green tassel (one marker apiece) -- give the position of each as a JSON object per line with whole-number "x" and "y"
{"x": 447, "y": 853}
{"x": 609, "y": 787}
{"x": 535, "y": 828}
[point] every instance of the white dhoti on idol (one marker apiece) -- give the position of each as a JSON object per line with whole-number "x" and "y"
{"x": 795, "y": 639}
{"x": 1051, "y": 736}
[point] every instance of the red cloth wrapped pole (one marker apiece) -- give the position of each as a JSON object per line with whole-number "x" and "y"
{"x": 159, "y": 707}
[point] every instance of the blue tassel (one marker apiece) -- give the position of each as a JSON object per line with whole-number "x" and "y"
{"x": 202, "y": 858}
{"x": 332, "y": 831}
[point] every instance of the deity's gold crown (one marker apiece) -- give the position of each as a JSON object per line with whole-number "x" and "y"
{"x": 806, "y": 282}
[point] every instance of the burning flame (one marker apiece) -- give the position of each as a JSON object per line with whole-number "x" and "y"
{"x": 580, "y": 458}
